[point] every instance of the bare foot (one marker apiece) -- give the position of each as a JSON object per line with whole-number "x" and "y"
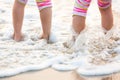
{"x": 44, "y": 37}
{"x": 51, "y": 38}
{"x": 70, "y": 42}
{"x": 17, "y": 37}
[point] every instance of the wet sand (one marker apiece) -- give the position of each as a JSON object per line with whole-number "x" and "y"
{"x": 47, "y": 74}
{"x": 51, "y": 74}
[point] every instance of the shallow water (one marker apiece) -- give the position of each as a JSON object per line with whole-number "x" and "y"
{"x": 30, "y": 55}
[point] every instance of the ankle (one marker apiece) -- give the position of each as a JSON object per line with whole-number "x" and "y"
{"x": 17, "y": 33}
{"x": 105, "y": 30}
{"x": 17, "y": 37}
{"x": 44, "y": 36}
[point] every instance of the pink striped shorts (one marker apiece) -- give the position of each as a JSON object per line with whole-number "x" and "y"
{"x": 40, "y": 3}
{"x": 81, "y": 6}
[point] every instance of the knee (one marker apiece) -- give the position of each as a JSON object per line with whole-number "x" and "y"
{"x": 83, "y": 3}
{"x": 43, "y": 4}
{"x": 104, "y": 4}
{"x": 105, "y": 10}
{"x": 22, "y": 1}
{"x": 80, "y": 7}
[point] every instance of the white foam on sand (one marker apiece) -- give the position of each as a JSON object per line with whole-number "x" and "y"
{"x": 98, "y": 56}
{"x": 104, "y": 70}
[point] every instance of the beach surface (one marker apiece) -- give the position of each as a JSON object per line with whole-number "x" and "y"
{"x": 33, "y": 54}
{"x": 47, "y": 74}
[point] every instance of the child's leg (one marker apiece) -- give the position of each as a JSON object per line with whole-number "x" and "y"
{"x": 18, "y": 14}
{"x": 106, "y": 13}
{"x": 78, "y": 22}
{"x": 45, "y": 16}
{"x": 79, "y": 14}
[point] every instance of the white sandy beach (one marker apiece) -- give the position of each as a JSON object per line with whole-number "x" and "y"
{"x": 33, "y": 54}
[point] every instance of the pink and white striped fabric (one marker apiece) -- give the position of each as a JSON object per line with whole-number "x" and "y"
{"x": 81, "y": 6}
{"x": 40, "y": 3}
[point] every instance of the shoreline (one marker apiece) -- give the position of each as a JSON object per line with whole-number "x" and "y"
{"x": 46, "y": 74}
{"x": 51, "y": 74}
